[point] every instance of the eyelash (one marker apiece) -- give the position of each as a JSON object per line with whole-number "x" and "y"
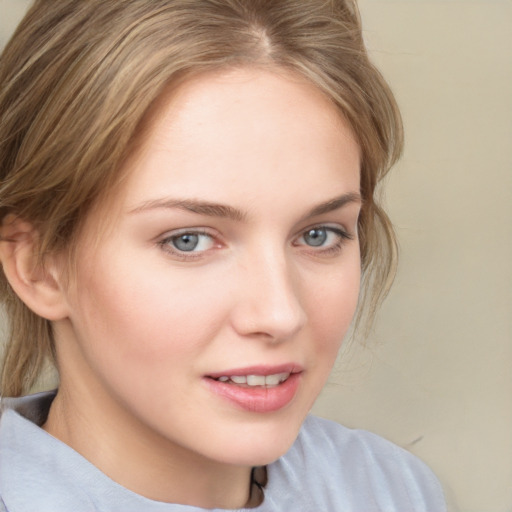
{"x": 168, "y": 246}
{"x": 333, "y": 249}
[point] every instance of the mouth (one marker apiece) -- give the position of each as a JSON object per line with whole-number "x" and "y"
{"x": 257, "y": 389}
{"x": 250, "y": 381}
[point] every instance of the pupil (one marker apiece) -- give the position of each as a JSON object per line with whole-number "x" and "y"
{"x": 186, "y": 242}
{"x": 316, "y": 237}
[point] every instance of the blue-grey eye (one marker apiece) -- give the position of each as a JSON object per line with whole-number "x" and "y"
{"x": 315, "y": 237}
{"x": 186, "y": 242}
{"x": 191, "y": 241}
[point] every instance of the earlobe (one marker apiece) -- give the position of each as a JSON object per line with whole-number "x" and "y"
{"x": 35, "y": 284}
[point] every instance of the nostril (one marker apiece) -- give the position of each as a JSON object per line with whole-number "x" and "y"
{"x": 269, "y": 306}
{"x": 272, "y": 326}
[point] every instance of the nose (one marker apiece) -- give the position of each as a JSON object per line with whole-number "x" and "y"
{"x": 268, "y": 303}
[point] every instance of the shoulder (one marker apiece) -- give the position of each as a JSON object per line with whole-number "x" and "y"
{"x": 16, "y": 434}
{"x": 331, "y": 437}
{"x": 328, "y": 438}
{"x": 359, "y": 467}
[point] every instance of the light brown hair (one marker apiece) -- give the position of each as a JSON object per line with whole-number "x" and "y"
{"x": 79, "y": 76}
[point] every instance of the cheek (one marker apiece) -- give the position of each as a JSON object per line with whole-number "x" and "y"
{"x": 145, "y": 316}
{"x": 332, "y": 308}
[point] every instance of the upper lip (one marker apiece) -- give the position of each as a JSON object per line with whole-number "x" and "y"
{"x": 258, "y": 370}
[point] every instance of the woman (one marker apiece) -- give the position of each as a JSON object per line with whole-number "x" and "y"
{"x": 188, "y": 211}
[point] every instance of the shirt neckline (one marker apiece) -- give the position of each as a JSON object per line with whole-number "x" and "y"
{"x": 23, "y": 441}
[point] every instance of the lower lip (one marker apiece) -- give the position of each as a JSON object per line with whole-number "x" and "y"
{"x": 258, "y": 399}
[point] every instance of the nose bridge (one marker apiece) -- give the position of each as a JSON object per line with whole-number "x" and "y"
{"x": 271, "y": 303}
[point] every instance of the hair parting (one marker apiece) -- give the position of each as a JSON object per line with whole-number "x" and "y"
{"x": 79, "y": 80}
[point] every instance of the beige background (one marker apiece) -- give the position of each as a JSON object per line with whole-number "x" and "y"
{"x": 436, "y": 377}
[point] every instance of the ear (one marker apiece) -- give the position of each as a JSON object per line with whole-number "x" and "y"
{"x": 35, "y": 284}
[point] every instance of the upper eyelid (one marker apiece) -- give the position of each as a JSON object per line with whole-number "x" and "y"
{"x": 168, "y": 236}
{"x": 330, "y": 226}
{"x": 343, "y": 236}
{"x": 165, "y": 243}
{"x": 174, "y": 233}
{"x": 207, "y": 231}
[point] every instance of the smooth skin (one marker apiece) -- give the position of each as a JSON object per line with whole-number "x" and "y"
{"x": 232, "y": 243}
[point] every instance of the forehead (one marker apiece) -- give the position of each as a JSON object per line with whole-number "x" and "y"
{"x": 241, "y": 135}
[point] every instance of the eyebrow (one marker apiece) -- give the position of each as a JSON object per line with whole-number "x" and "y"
{"x": 194, "y": 206}
{"x": 334, "y": 204}
{"x": 228, "y": 212}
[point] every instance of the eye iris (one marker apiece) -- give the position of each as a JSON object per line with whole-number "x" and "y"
{"x": 315, "y": 237}
{"x": 186, "y": 242}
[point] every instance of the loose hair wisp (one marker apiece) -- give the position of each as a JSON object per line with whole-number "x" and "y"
{"x": 79, "y": 77}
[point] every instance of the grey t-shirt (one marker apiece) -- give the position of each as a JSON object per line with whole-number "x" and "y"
{"x": 328, "y": 468}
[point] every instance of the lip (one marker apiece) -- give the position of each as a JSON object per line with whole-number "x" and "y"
{"x": 258, "y": 370}
{"x": 257, "y": 399}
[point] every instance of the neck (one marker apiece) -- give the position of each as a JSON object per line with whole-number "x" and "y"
{"x": 140, "y": 459}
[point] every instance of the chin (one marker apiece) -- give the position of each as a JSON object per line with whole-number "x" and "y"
{"x": 260, "y": 444}
{"x": 258, "y": 454}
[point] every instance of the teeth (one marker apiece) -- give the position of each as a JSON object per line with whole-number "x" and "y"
{"x": 274, "y": 380}
{"x": 256, "y": 380}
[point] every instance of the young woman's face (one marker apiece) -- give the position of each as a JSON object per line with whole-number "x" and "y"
{"x": 210, "y": 311}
